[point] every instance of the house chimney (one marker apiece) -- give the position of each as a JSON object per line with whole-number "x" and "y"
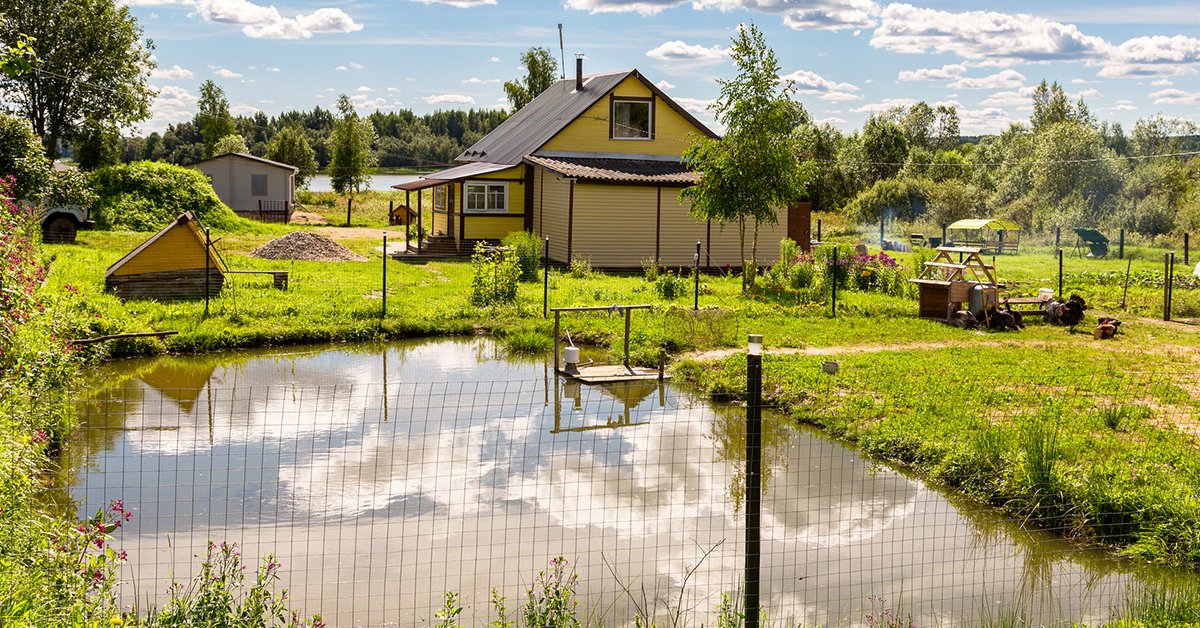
{"x": 579, "y": 71}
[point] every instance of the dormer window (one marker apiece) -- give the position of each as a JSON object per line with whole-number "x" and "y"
{"x": 632, "y": 119}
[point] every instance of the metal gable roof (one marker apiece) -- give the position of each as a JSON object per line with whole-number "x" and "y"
{"x": 540, "y": 120}
{"x": 249, "y": 157}
{"x": 464, "y": 171}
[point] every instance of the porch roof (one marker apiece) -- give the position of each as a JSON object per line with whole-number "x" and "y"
{"x": 456, "y": 173}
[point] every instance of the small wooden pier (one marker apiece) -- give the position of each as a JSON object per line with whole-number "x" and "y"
{"x": 604, "y": 373}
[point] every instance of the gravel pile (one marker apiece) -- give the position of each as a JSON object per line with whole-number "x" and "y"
{"x": 306, "y": 246}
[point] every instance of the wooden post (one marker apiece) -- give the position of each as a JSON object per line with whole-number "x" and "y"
{"x": 391, "y": 209}
{"x": 420, "y": 212}
{"x": 818, "y": 230}
{"x": 882, "y": 217}
{"x": 1187, "y": 258}
{"x": 1121, "y": 250}
{"x": 349, "y": 203}
{"x": 944, "y": 242}
{"x": 1125, "y": 291}
{"x": 407, "y": 208}
{"x": 696, "y": 305}
{"x": 835, "y": 278}
{"x": 1058, "y": 237}
{"x": 1166, "y": 286}
{"x": 557, "y": 316}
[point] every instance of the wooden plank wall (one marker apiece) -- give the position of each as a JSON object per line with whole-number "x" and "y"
{"x": 176, "y": 284}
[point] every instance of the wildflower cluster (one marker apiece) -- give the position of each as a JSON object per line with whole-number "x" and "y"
{"x": 811, "y": 276}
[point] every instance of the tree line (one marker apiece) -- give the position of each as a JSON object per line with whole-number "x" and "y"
{"x": 1062, "y": 168}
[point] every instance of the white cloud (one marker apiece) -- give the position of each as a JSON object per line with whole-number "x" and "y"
{"x": 271, "y": 69}
{"x": 981, "y": 121}
{"x": 1174, "y": 96}
{"x": 265, "y": 22}
{"x": 365, "y": 102}
{"x": 449, "y": 99}
{"x": 697, "y": 106}
{"x": 884, "y": 105}
{"x": 1080, "y": 81}
{"x": 355, "y": 66}
{"x": 494, "y": 59}
{"x": 1087, "y": 94}
{"x": 223, "y": 72}
{"x": 983, "y": 35}
{"x": 242, "y": 109}
{"x": 1010, "y": 98}
{"x": 1163, "y": 82}
{"x": 1004, "y": 79}
{"x": 681, "y": 51}
{"x": 341, "y": 68}
{"x": 834, "y": 120}
{"x": 944, "y": 73}
{"x": 171, "y": 105}
{"x": 173, "y": 72}
{"x": 664, "y": 85}
{"x": 475, "y": 80}
{"x": 1156, "y": 55}
{"x": 266, "y": 102}
{"x": 1125, "y": 105}
{"x": 807, "y": 82}
{"x": 462, "y": 4}
{"x": 363, "y": 89}
{"x": 393, "y": 90}
{"x": 823, "y": 14}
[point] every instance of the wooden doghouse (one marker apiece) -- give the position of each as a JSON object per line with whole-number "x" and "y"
{"x": 945, "y": 284}
{"x": 172, "y": 264}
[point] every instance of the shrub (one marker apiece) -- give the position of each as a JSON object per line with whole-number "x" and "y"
{"x": 670, "y": 286}
{"x": 528, "y": 249}
{"x": 581, "y": 268}
{"x": 496, "y": 272}
{"x": 22, "y": 157}
{"x": 146, "y": 195}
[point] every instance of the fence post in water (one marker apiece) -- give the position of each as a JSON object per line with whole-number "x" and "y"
{"x": 696, "y": 304}
{"x": 383, "y": 292}
{"x": 1060, "y": 276}
{"x": 207, "y": 248}
{"x": 1121, "y": 251}
{"x": 546, "y": 280}
{"x": 753, "y": 475}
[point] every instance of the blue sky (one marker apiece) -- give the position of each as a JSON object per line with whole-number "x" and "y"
{"x": 848, "y": 58}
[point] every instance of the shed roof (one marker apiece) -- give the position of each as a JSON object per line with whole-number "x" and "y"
{"x": 186, "y": 220}
{"x": 986, "y": 223}
{"x": 464, "y": 171}
{"x": 651, "y": 171}
{"x": 550, "y": 112}
{"x": 260, "y": 160}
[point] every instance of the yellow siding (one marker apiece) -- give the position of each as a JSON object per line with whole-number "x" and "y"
{"x": 589, "y": 132}
{"x": 554, "y": 194}
{"x": 177, "y": 249}
{"x": 680, "y": 231}
{"x": 614, "y": 224}
{"x": 491, "y": 226}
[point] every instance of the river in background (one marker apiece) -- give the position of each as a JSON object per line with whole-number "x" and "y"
{"x": 382, "y": 476}
{"x": 379, "y": 182}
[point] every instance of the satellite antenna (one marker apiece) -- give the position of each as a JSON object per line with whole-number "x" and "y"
{"x": 562, "y": 58}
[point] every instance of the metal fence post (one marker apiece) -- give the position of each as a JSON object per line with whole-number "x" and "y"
{"x": 349, "y": 202}
{"x": 546, "y": 280}
{"x": 383, "y": 291}
{"x": 834, "y": 272}
{"x": 1060, "y": 276}
{"x": 696, "y": 304}
{"x": 753, "y": 476}
{"x": 1057, "y": 237}
{"x": 1121, "y": 252}
{"x": 1187, "y": 258}
{"x": 207, "y": 248}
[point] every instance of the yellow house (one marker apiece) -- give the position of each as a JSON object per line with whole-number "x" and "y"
{"x": 594, "y": 164}
{"x": 171, "y": 264}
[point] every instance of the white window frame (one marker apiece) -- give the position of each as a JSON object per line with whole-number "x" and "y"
{"x": 617, "y": 101}
{"x": 488, "y": 191}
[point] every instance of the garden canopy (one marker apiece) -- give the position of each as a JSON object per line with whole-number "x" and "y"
{"x": 991, "y": 235}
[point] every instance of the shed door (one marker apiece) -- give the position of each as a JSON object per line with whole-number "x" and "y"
{"x": 799, "y": 224}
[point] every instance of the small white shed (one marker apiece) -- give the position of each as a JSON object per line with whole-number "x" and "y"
{"x": 252, "y": 186}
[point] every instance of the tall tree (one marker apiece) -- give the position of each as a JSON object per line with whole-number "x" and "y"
{"x": 212, "y": 116}
{"x": 92, "y": 63}
{"x": 351, "y": 159}
{"x": 232, "y": 143}
{"x": 97, "y": 145}
{"x": 754, "y": 170}
{"x": 289, "y": 146}
{"x": 539, "y": 75}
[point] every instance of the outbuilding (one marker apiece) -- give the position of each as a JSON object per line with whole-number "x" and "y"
{"x": 174, "y": 263}
{"x": 989, "y": 235}
{"x": 253, "y": 187}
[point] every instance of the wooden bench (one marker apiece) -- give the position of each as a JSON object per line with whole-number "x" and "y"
{"x": 1028, "y": 305}
{"x": 279, "y": 278}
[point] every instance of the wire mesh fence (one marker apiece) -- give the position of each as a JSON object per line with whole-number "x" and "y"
{"x": 378, "y": 498}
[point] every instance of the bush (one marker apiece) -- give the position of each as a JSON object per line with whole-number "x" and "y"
{"x": 581, "y": 268}
{"x": 528, "y": 249}
{"x": 22, "y": 158}
{"x": 670, "y": 286}
{"x": 147, "y": 195}
{"x": 496, "y": 272}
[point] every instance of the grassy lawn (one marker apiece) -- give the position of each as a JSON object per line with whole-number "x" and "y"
{"x": 1097, "y": 439}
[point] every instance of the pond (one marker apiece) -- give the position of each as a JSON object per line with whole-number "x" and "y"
{"x": 383, "y": 476}
{"x": 379, "y": 182}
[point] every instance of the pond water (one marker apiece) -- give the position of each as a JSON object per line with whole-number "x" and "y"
{"x": 382, "y": 476}
{"x": 379, "y": 182}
